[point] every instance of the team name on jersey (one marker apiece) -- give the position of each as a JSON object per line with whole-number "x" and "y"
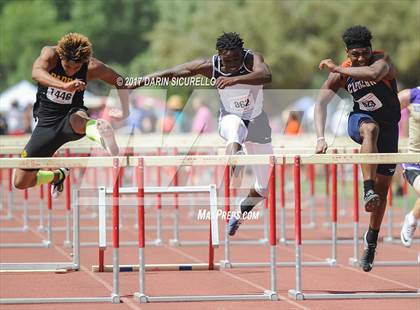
{"x": 357, "y": 85}
{"x": 63, "y": 78}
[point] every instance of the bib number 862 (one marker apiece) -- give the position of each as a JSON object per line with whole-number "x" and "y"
{"x": 241, "y": 104}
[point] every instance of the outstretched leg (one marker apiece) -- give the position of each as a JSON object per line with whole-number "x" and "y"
{"x": 99, "y": 130}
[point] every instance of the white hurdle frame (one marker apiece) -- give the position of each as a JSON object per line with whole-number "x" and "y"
{"x": 153, "y": 190}
{"x": 297, "y": 293}
{"x": 115, "y": 163}
{"x": 141, "y": 295}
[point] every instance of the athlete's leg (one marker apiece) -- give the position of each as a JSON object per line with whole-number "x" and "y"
{"x": 369, "y": 131}
{"x": 416, "y": 209}
{"x": 382, "y": 183}
{"x": 365, "y": 131}
{"x": 232, "y": 129}
{"x": 387, "y": 143}
{"x": 44, "y": 142}
{"x": 78, "y": 121}
{"x": 99, "y": 130}
{"x": 260, "y": 190}
{"x": 28, "y": 178}
{"x": 410, "y": 221}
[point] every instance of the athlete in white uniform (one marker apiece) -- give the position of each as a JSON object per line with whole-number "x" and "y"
{"x": 240, "y": 75}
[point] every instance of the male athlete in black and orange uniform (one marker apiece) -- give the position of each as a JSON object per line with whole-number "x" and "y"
{"x": 62, "y": 72}
{"x": 369, "y": 77}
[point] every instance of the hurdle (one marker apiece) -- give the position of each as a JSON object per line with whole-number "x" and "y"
{"x": 115, "y": 163}
{"x": 327, "y": 262}
{"x": 297, "y": 293}
{"x": 25, "y": 228}
{"x": 141, "y": 162}
{"x": 103, "y": 192}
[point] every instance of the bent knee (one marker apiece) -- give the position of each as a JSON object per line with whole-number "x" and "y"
{"x": 19, "y": 183}
{"x": 24, "y": 179}
{"x": 370, "y": 129}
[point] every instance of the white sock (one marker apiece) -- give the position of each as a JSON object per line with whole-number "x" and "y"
{"x": 411, "y": 218}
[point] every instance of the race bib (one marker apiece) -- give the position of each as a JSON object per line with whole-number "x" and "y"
{"x": 239, "y": 104}
{"x": 369, "y": 102}
{"x": 60, "y": 96}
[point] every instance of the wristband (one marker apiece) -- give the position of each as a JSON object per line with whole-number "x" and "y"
{"x": 320, "y": 138}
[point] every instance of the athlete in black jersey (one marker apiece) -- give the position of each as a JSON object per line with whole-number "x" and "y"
{"x": 62, "y": 73}
{"x": 233, "y": 66}
{"x": 369, "y": 77}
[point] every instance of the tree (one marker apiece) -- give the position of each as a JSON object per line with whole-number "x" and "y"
{"x": 26, "y": 26}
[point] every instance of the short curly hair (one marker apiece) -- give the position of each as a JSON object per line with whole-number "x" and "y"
{"x": 229, "y": 41}
{"x": 75, "y": 47}
{"x": 357, "y": 36}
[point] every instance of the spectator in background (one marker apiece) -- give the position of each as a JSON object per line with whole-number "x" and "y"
{"x": 306, "y": 106}
{"x": 14, "y": 120}
{"x": 293, "y": 124}
{"x": 148, "y": 122}
{"x": 175, "y": 120}
{"x": 203, "y": 120}
{"x": 133, "y": 122}
{"x": 3, "y": 125}
{"x": 28, "y": 120}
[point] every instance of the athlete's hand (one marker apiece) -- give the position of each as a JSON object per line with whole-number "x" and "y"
{"x": 329, "y": 64}
{"x": 117, "y": 114}
{"x": 75, "y": 85}
{"x": 321, "y": 147}
{"x": 224, "y": 81}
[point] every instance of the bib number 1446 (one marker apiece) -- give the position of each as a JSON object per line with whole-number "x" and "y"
{"x": 59, "y": 95}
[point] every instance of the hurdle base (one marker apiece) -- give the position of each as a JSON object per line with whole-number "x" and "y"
{"x": 356, "y": 295}
{"x": 311, "y": 225}
{"x": 174, "y": 242}
{"x": 271, "y": 295}
{"x": 331, "y": 261}
{"x": 157, "y": 242}
{"x": 157, "y": 267}
{"x": 115, "y": 299}
{"x": 268, "y": 295}
{"x": 263, "y": 241}
{"x": 390, "y": 240}
{"x": 282, "y": 241}
{"x": 67, "y": 244}
{"x": 141, "y": 298}
{"x": 354, "y": 262}
{"x": 296, "y": 295}
{"x": 46, "y": 243}
{"x": 225, "y": 264}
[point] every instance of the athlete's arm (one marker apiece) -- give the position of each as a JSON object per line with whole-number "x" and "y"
{"x": 97, "y": 70}
{"x": 377, "y": 71}
{"x": 328, "y": 89}
{"x": 261, "y": 74}
{"x": 43, "y": 64}
{"x": 404, "y": 96}
{"x": 201, "y": 66}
